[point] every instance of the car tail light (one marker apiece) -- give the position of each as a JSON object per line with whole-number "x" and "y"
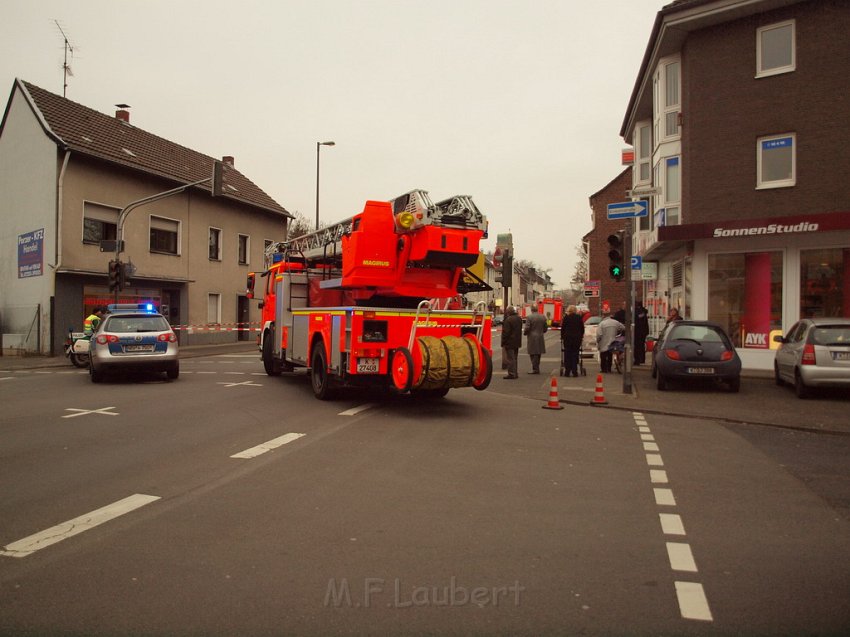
{"x": 167, "y": 338}
{"x": 726, "y": 355}
{"x": 103, "y": 339}
{"x": 809, "y": 355}
{"x": 672, "y": 354}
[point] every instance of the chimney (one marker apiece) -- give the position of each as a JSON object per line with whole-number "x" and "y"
{"x": 228, "y": 159}
{"x": 122, "y": 113}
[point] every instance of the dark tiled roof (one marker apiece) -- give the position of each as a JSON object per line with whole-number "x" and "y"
{"x": 89, "y": 132}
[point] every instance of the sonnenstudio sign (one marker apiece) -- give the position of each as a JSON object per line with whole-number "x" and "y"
{"x": 797, "y": 224}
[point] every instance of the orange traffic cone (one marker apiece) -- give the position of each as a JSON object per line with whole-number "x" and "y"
{"x": 599, "y": 396}
{"x": 553, "y": 403}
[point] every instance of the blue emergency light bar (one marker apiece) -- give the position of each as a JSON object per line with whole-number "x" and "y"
{"x": 132, "y": 307}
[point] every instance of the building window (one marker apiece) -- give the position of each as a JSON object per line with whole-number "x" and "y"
{"x": 775, "y": 49}
{"x": 776, "y": 161}
{"x": 164, "y": 235}
{"x": 825, "y": 282}
{"x": 644, "y": 153}
{"x": 215, "y": 244}
{"x": 667, "y": 101}
{"x": 214, "y": 308}
{"x": 99, "y": 223}
{"x": 243, "y": 249}
{"x": 745, "y": 296}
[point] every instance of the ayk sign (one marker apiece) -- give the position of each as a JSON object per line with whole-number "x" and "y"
{"x": 31, "y": 254}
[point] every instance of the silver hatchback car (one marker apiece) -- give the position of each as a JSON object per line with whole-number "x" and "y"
{"x": 133, "y": 338}
{"x": 814, "y": 353}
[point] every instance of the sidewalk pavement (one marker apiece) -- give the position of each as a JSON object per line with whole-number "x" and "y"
{"x": 759, "y": 402}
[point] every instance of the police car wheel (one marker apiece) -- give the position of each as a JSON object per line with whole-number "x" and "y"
{"x": 173, "y": 372}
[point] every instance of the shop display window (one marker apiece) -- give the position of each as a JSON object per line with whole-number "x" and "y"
{"x": 745, "y": 296}
{"x": 825, "y": 283}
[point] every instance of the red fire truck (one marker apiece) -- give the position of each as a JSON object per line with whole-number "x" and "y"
{"x": 552, "y": 309}
{"x": 355, "y": 303}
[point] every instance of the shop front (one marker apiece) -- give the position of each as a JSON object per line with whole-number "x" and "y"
{"x": 757, "y": 277}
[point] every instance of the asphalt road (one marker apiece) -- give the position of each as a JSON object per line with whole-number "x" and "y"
{"x": 478, "y": 514}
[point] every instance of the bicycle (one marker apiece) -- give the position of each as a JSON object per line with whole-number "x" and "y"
{"x": 618, "y": 349}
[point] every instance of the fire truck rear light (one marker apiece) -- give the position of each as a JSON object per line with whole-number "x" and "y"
{"x": 405, "y": 220}
{"x": 809, "y": 357}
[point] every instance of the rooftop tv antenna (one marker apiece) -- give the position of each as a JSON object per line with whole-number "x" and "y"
{"x": 66, "y": 68}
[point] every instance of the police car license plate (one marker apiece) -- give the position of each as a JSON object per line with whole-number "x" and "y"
{"x": 368, "y": 365}
{"x": 700, "y": 370}
{"x": 138, "y": 348}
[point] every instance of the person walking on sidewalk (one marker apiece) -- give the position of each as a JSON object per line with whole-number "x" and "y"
{"x": 535, "y": 327}
{"x": 606, "y": 332}
{"x": 641, "y": 331}
{"x": 511, "y": 340}
{"x": 572, "y": 333}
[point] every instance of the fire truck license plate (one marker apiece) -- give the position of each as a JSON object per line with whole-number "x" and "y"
{"x": 368, "y": 365}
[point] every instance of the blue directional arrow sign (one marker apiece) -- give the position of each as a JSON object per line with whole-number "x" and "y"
{"x": 627, "y": 210}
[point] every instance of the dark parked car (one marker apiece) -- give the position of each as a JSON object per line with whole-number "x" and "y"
{"x": 814, "y": 353}
{"x": 695, "y": 350}
{"x": 133, "y": 338}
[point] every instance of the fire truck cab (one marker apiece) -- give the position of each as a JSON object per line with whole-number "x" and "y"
{"x": 355, "y": 303}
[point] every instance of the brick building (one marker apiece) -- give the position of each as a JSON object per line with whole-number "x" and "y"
{"x": 596, "y": 243}
{"x": 739, "y": 122}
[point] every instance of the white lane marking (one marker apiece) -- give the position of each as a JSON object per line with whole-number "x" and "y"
{"x": 254, "y": 356}
{"x": 658, "y": 476}
{"x": 650, "y": 446}
{"x": 692, "y": 601}
{"x": 664, "y": 497}
{"x": 234, "y": 373}
{"x": 42, "y": 372}
{"x": 643, "y": 430}
{"x": 62, "y": 531}
{"x": 654, "y": 460}
{"x": 681, "y": 558}
{"x": 244, "y": 383}
{"x": 671, "y": 524}
{"x": 104, "y": 411}
{"x": 253, "y": 452}
{"x": 7, "y": 378}
{"x": 206, "y": 372}
{"x": 649, "y": 437}
{"x": 356, "y": 410}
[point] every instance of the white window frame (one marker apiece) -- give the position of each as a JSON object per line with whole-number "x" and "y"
{"x": 153, "y": 224}
{"x": 217, "y": 257}
{"x": 663, "y": 204}
{"x": 247, "y": 238}
{"x": 788, "y": 68}
{"x": 214, "y": 304}
{"x": 643, "y": 159}
{"x": 661, "y": 109}
{"x": 777, "y": 183}
{"x": 101, "y": 213}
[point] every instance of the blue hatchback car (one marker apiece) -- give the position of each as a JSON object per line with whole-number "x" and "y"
{"x": 689, "y": 351}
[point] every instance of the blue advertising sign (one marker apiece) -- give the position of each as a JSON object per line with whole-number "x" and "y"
{"x": 31, "y": 254}
{"x": 627, "y": 210}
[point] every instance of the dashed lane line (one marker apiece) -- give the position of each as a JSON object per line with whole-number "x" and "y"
{"x": 259, "y": 450}
{"x": 356, "y": 410}
{"x": 31, "y": 544}
{"x": 692, "y": 601}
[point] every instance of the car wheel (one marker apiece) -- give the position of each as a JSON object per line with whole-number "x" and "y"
{"x": 96, "y": 376}
{"x": 319, "y": 376}
{"x": 269, "y": 363}
{"x": 660, "y": 381}
{"x": 173, "y": 372}
{"x": 776, "y": 377}
{"x": 800, "y": 387}
{"x": 735, "y": 384}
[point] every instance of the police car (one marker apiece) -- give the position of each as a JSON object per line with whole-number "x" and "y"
{"x": 133, "y": 337}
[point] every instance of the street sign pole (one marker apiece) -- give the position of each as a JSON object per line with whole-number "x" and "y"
{"x": 627, "y": 258}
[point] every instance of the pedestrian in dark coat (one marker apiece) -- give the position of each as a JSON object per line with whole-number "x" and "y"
{"x": 535, "y": 327}
{"x": 511, "y": 340}
{"x": 641, "y": 331}
{"x": 572, "y": 334}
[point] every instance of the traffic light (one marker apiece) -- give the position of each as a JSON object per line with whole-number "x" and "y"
{"x": 114, "y": 275}
{"x": 616, "y": 268}
{"x": 497, "y": 263}
{"x": 123, "y": 275}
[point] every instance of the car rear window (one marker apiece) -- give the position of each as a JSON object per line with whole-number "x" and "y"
{"x": 136, "y": 324}
{"x": 696, "y": 333}
{"x": 831, "y": 335}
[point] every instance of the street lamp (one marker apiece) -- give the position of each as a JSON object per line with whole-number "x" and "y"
{"x": 318, "y": 146}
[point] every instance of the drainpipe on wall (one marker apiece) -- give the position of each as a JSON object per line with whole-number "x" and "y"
{"x": 60, "y": 195}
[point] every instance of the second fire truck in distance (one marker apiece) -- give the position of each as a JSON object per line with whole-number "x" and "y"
{"x": 354, "y": 302}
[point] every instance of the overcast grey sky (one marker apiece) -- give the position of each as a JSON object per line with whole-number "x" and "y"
{"x": 517, "y": 103}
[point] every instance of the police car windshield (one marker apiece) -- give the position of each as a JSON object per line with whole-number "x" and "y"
{"x": 136, "y": 324}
